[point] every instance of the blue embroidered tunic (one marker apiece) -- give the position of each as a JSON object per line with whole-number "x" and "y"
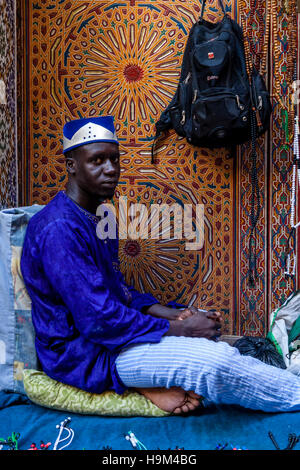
{"x": 82, "y": 311}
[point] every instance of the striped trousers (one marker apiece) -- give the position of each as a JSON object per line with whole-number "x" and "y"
{"x": 214, "y": 370}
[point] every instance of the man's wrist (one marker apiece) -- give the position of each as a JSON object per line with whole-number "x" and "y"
{"x": 146, "y": 309}
{"x": 175, "y": 328}
{"x": 161, "y": 311}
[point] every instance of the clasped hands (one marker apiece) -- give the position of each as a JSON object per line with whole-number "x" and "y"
{"x": 199, "y": 323}
{"x": 189, "y": 322}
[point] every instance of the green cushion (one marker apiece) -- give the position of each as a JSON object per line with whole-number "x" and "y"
{"x": 47, "y": 392}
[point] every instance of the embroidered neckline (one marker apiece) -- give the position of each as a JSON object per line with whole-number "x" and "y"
{"x": 94, "y": 218}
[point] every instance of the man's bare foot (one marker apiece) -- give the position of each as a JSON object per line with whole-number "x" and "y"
{"x": 173, "y": 400}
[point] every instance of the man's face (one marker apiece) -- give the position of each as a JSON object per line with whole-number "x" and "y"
{"x": 97, "y": 168}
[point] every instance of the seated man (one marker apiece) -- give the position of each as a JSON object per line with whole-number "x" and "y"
{"x": 96, "y": 333}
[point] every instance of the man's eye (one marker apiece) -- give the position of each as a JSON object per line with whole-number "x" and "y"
{"x": 100, "y": 160}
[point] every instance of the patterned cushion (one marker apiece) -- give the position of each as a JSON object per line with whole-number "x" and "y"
{"x": 17, "y": 350}
{"x": 47, "y": 392}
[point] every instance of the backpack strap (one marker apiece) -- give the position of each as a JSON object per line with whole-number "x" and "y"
{"x": 153, "y": 147}
{"x": 165, "y": 122}
{"x": 203, "y": 8}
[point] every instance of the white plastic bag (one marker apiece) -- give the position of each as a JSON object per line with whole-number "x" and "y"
{"x": 285, "y": 326}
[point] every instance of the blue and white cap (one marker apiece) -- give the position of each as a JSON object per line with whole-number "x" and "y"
{"x": 88, "y": 130}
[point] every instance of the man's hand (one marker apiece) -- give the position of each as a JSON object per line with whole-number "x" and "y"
{"x": 171, "y": 314}
{"x": 189, "y": 321}
{"x": 201, "y": 324}
{"x": 187, "y": 312}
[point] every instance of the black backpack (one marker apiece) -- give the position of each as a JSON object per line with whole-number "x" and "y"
{"x": 214, "y": 100}
{"x": 221, "y": 101}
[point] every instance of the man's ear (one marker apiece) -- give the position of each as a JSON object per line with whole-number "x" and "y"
{"x": 71, "y": 165}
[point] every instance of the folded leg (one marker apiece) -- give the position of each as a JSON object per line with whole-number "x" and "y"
{"x": 211, "y": 369}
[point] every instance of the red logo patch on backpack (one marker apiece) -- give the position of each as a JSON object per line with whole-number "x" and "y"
{"x": 211, "y": 55}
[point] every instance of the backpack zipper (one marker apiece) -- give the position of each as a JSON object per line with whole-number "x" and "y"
{"x": 230, "y": 67}
{"x": 208, "y": 41}
{"x": 239, "y": 103}
{"x": 260, "y": 103}
{"x": 186, "y": 80}
{"x": 236, "y": 97}
{"x": 183, "y": 118}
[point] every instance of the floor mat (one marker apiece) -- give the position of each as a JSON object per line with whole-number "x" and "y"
{"x": 223, "y": 427}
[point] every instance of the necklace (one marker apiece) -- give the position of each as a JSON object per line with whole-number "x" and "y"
{"x": 258, "y": 31}
{"x": 279, "y": 20}
{"x": 285, "y": 55}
